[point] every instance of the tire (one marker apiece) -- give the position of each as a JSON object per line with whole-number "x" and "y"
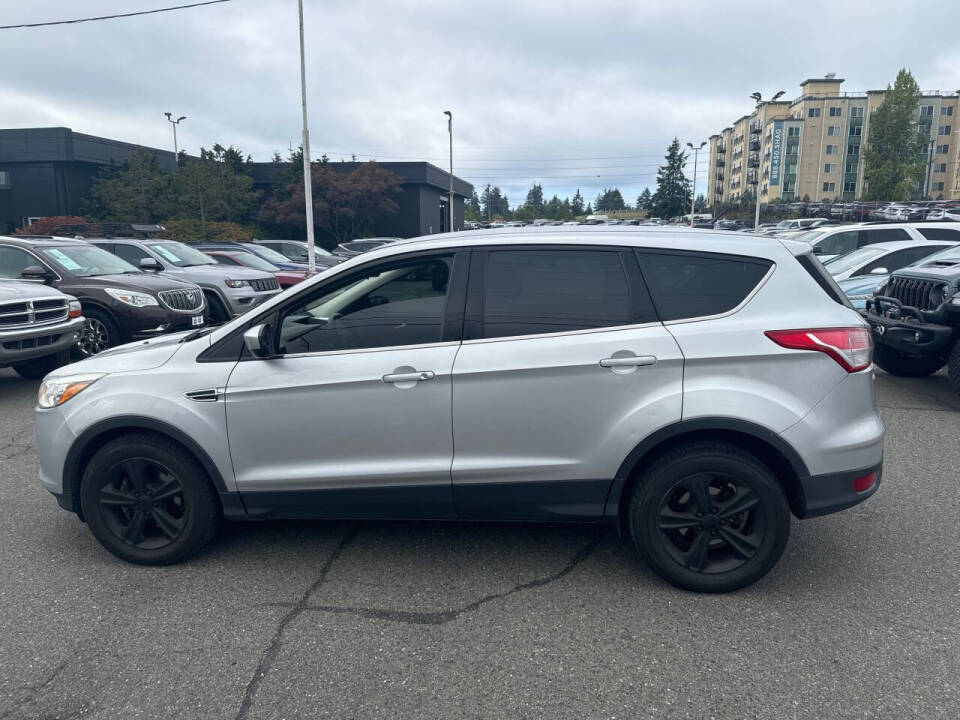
{"x": 35, "y": 369}
{"x": 714, "y": 551}
{"x": 902, "y": 365}
{"x": 99, "y": 332}
{"x": 216, "y": 313}
{"x": 953, "y": 367}
{"x": 148, "y": 500}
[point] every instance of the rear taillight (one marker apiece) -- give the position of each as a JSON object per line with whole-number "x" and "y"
{"x": 852, "y": 348}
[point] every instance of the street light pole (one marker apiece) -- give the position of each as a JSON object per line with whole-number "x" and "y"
{"x": 450, "y": 132}
{"x": 176, "y": 150}
{"x": 761, "y": 108}
{"x": 693, "y": 195}
{"x": 307, "y": 180}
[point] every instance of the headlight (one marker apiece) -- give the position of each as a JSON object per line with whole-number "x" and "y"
{"x": 129, "y": 297}
{"x": 56, "y": 391}
{"x": 236, "y": 283}
{"x": 75, "y": 309}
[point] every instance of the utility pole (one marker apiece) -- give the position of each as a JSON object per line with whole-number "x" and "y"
{"x": 761, "y": 108}
{"x": 176, "y": 150}
{"x": 450, "y": 132}
{"x": 307, "y": 180}
{"x": 693, "y": 195}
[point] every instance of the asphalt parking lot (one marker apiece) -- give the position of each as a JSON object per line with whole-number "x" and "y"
{"x": 861, "y": 619}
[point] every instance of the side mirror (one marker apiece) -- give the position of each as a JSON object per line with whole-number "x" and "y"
{"x": 879, "y": 271}
{"x": 36, "y": 273}
{"x": 149, "y": 263}
{"x": 259, "y": 341}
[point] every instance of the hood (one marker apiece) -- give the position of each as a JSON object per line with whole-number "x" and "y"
{"x": 135, "y": 356}
{"x": 862, "y": 285}
{"x": 14, "y": 290}
{"x": 145, "y": 282}
{"x": 942, "y": 270}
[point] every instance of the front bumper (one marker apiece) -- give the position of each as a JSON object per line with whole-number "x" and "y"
{"x": 33, "y": 342}
{"x": 242, "y": 300}
{"x": 905, "y": 329}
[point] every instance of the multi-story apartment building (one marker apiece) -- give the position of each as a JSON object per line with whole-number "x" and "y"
{"x": 811, "y": 147}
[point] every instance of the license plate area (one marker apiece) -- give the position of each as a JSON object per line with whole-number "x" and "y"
{"x": 196, "y": 320}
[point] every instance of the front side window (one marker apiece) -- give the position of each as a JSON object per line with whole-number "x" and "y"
{"x": 534, "y": 291}
{"x": 266, "y": 253}
{"x": 838, "y": 244}
{"x": 14, "y": 260}
{"x": 690, "y": 285}
{"x": 86, "y": 260}
{"x": 131, "y": 253}
{"x": 401, "y": 303}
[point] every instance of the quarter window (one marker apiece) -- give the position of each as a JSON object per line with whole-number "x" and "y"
{"x": 689, "y": 285}
{"x": 396, "y": 304}
{"x": 940, "y": 234}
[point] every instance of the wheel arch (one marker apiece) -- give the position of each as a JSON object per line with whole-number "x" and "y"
{"x": 99, "y": 434}
{"x": 772, "y": 450}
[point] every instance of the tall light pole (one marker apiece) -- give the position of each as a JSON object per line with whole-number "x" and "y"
{"x": 176, "y": 150}
{"x": 450, "y": 132}
{"x": 307, "y": 180}
{"x": 761, "y": 108}
{"x": 693, "y": 196}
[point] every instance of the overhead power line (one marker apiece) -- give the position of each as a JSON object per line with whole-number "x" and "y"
{"x": 491, "y": 160}
{"x": 112, "y": 17}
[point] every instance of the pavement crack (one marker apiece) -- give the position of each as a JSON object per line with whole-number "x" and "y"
{"x": 33, "y": 692}
{"x": 441, "y": 617}
{"x": 296, "y": 609}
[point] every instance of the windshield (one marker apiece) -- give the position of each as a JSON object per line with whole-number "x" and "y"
{"x": 267, "y": 254}
{"x": 851, "y": 260}
{"x": 785, "y": 224}
{"x": 180, "y": 255}
{"x": 809, "y": 236}
{"x": 252, "y": 261}
{"x": 87, "y": 261}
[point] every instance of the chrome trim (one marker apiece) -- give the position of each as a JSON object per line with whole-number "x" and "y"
{"x": 451, "y": 343}
{"x": 207, "y": 395}
{"x": 189, "y": 291}
{"x": 586, "y": 331}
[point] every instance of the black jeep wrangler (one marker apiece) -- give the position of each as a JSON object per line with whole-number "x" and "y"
{"x": 915, "y": 319}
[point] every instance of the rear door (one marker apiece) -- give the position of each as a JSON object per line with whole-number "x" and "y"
{"x": 564, "y": 368}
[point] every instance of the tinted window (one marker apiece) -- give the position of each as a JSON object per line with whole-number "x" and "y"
{"x": 687, "y": 285}
{"x": 532, "y": 291}
{"x": 871, "y": 236}
{"x": 838, "y": 243}
{"x": 131, "y": 253}
{"x": 902, "y": 258}
{"x": 940, "y": 234}
{"x": 14, "y": 261}
{"x": 395, "y": 304}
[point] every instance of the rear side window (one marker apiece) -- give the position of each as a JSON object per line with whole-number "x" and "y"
{"x": 869, "y": 237}
{"x": 535, "y": 291}
{"x": 940, "y": 234}
{"x": 690, "y": 285}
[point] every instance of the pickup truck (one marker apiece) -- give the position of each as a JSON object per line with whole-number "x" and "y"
{"x": 38, "y": 327}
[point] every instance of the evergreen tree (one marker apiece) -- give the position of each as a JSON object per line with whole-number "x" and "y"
{"x": 700, "y": 204}
{"x": 610, "y": 199}
{"x": 588, "y": 210}
{"x": 672, "y": 197}
{"x": 643, "y": 202}
{"x": 535, "y": 199}
{"x": 576, "y": 205}
{"x": 472, "y": 209}
{"x": 494, "y": 203}
{"x": 895, "y": 153}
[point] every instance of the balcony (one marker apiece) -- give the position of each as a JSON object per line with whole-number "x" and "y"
{"x": 720, "y": 162}
{"x": 754, "y": 145}
{"x": 755, "y": 128}
{"x": 720, "y": 175}
{"x": 751, "y": 177}
{"x": 753, "y": 160}
{"x": 721, "y": 148}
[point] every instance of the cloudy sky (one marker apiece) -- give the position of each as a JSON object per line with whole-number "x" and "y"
{"x": 569, "y": 94}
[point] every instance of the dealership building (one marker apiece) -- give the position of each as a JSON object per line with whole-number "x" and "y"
{"x": 47, "y": 172}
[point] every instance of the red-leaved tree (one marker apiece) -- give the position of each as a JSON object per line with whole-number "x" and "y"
{"x": 57, "y": 225}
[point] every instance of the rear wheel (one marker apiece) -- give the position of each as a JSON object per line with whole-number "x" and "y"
{"x": 902, "y": 365}
{"x": 709, "y": 517}
{"x": 148, "y": 501}
{"x": 37, "y": 368}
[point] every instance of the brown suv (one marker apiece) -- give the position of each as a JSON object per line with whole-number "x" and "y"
{"x": 120, "y": 303}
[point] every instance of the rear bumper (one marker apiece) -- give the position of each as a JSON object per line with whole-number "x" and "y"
{"x": 825, "y": 494}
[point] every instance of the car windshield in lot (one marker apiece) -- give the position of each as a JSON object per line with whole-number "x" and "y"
{"x": 86, "y": 260}
{"x": 809, "y": 236}
{"x": 176, "y": 253}
{"x": 247, "y": 259}
{"x": 267, "y": 254}
{"x": 851, "y": 260}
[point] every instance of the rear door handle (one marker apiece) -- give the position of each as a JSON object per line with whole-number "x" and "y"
{"x": 416, "y": 376}
{"x": 637, "y": 361}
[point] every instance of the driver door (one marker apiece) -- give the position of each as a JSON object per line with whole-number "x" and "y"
{"x": 353, "y": 418}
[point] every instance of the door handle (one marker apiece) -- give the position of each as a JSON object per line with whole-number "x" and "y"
{"x": 635, "y": 361}
{"x": 415, "y": 376}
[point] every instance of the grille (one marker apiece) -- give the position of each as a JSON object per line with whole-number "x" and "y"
{"x": 32, "y": 343}
{"x": 182, "y": 300}
{"x": 921, "y": 294}
{"x": 33, "y": 312}
{"x": 265, "y": 284}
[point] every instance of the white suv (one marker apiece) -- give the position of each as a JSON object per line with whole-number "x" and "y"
{"x": 690, "y": 388}
{"x": 830, "y": 242}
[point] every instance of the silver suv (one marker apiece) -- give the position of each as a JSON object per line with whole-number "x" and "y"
{"x": 689, "y": 388}
{"x": 229, "y": 291}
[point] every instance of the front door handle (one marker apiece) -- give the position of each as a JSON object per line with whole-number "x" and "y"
{"x": 405, "y": 377}
{"x": 633, "y": 361}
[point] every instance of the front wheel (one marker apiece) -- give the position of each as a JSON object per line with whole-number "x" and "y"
{"x": 709, "y": 517}
{"x": 99, "y": 332}
{"x": 902, "y": 365}
{"x": 148, "y": 501}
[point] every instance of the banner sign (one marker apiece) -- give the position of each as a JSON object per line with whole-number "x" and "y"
{"x": 776, "y": 152}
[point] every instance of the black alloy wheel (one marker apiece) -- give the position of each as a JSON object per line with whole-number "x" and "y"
{"x": 142, "y": 503}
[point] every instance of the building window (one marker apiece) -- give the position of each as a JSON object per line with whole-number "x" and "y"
{"x": 793, "y": 132}
{"x": 4, "y": 180}
{"x": 830, "y": 167}
{"x": 851, "y": 166}
{"x": 926, "y": 110}
{"x": 853, "y": 149}
{"x": 833, "y": 149}
{"x": 833, "y": 130}
{"x": 940, "y": 167}
{"x": 829, "y": 187}
{"x": 937, "y": 186}
{"x": 850, "y": 186}
{"x": 943, "y": 149}
{"x": 946, "y": 110}
{"x": 835, "y": 111}
{"x": 856, "y": 130}
{"x": 856, "y": 112}
{"x": 813, "y": 112}
{"x": 944, "y": 130}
